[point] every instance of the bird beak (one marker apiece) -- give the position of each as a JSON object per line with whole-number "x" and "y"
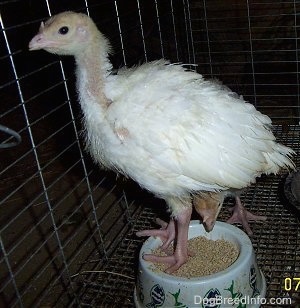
{"x": 208, "y": 223}
{"x": 41, "y": 42}
{"x": 208, "y": 207}
{"x": 37, "y": 42}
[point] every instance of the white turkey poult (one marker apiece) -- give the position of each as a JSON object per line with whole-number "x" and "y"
{"x": 185, "y": 139}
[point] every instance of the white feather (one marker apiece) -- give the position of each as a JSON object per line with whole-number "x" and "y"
{"x": 184, "y": 133}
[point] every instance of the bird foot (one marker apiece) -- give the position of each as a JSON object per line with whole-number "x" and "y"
{"x": 242, "y": 216}
{"x": 174, "y": 261}
{"x": 166, "y": 233}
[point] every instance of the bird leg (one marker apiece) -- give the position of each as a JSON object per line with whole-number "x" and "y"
{"x": 180, "y": 255}
{"x": 242, "y": 216}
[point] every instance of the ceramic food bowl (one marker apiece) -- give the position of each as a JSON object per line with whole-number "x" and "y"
{"x": 242, "y": 284}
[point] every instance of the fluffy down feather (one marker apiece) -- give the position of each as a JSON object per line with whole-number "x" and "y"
{"x": 185, "y": 133}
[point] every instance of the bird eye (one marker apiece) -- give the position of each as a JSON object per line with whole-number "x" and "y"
{"x": 63, "y": 30}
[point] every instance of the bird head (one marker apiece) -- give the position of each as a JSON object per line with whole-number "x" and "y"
{"x": 208, "y": 206}
{"x": 67, "y": 33}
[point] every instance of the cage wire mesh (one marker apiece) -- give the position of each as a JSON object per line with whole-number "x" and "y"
{"x": 66, "y": 227}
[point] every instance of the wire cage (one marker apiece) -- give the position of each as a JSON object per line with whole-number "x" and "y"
{"x": 67, "y": 228}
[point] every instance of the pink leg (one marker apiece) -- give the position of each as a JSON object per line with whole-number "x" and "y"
{"x": 180, "y": 255}
{"x": 242, "y": 216}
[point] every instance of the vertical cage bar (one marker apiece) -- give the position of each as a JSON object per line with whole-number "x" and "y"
{"x": 142, "y": 29}
{"x": 188, "y": 29}
{"x": 297, "y": 58}
{"x": 174, "y": 30}
{"x": 159, "y": 29}
{"x": 120, "y": 33}
{"x": 251, "y": 52}
{"x": 87, "y": 7}
{"x": 207, "y": 37}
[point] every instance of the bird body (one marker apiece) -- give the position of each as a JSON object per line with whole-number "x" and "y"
{"x": 165, "y": 120}
{"x": 166, "y": 127}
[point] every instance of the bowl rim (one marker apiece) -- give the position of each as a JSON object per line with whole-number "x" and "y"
{"x": 244, "y": 245}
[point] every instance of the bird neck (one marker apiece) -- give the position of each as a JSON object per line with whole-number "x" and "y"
{"x": 92, "y": 69}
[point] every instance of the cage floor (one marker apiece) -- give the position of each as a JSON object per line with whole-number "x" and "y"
{"x": 276, "y": 242}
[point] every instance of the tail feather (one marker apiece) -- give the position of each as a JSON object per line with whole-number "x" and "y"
{"x": 279, "y": 158}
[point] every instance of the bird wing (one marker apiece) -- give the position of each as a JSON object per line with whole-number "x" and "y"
{"x": 195, "y": 130}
